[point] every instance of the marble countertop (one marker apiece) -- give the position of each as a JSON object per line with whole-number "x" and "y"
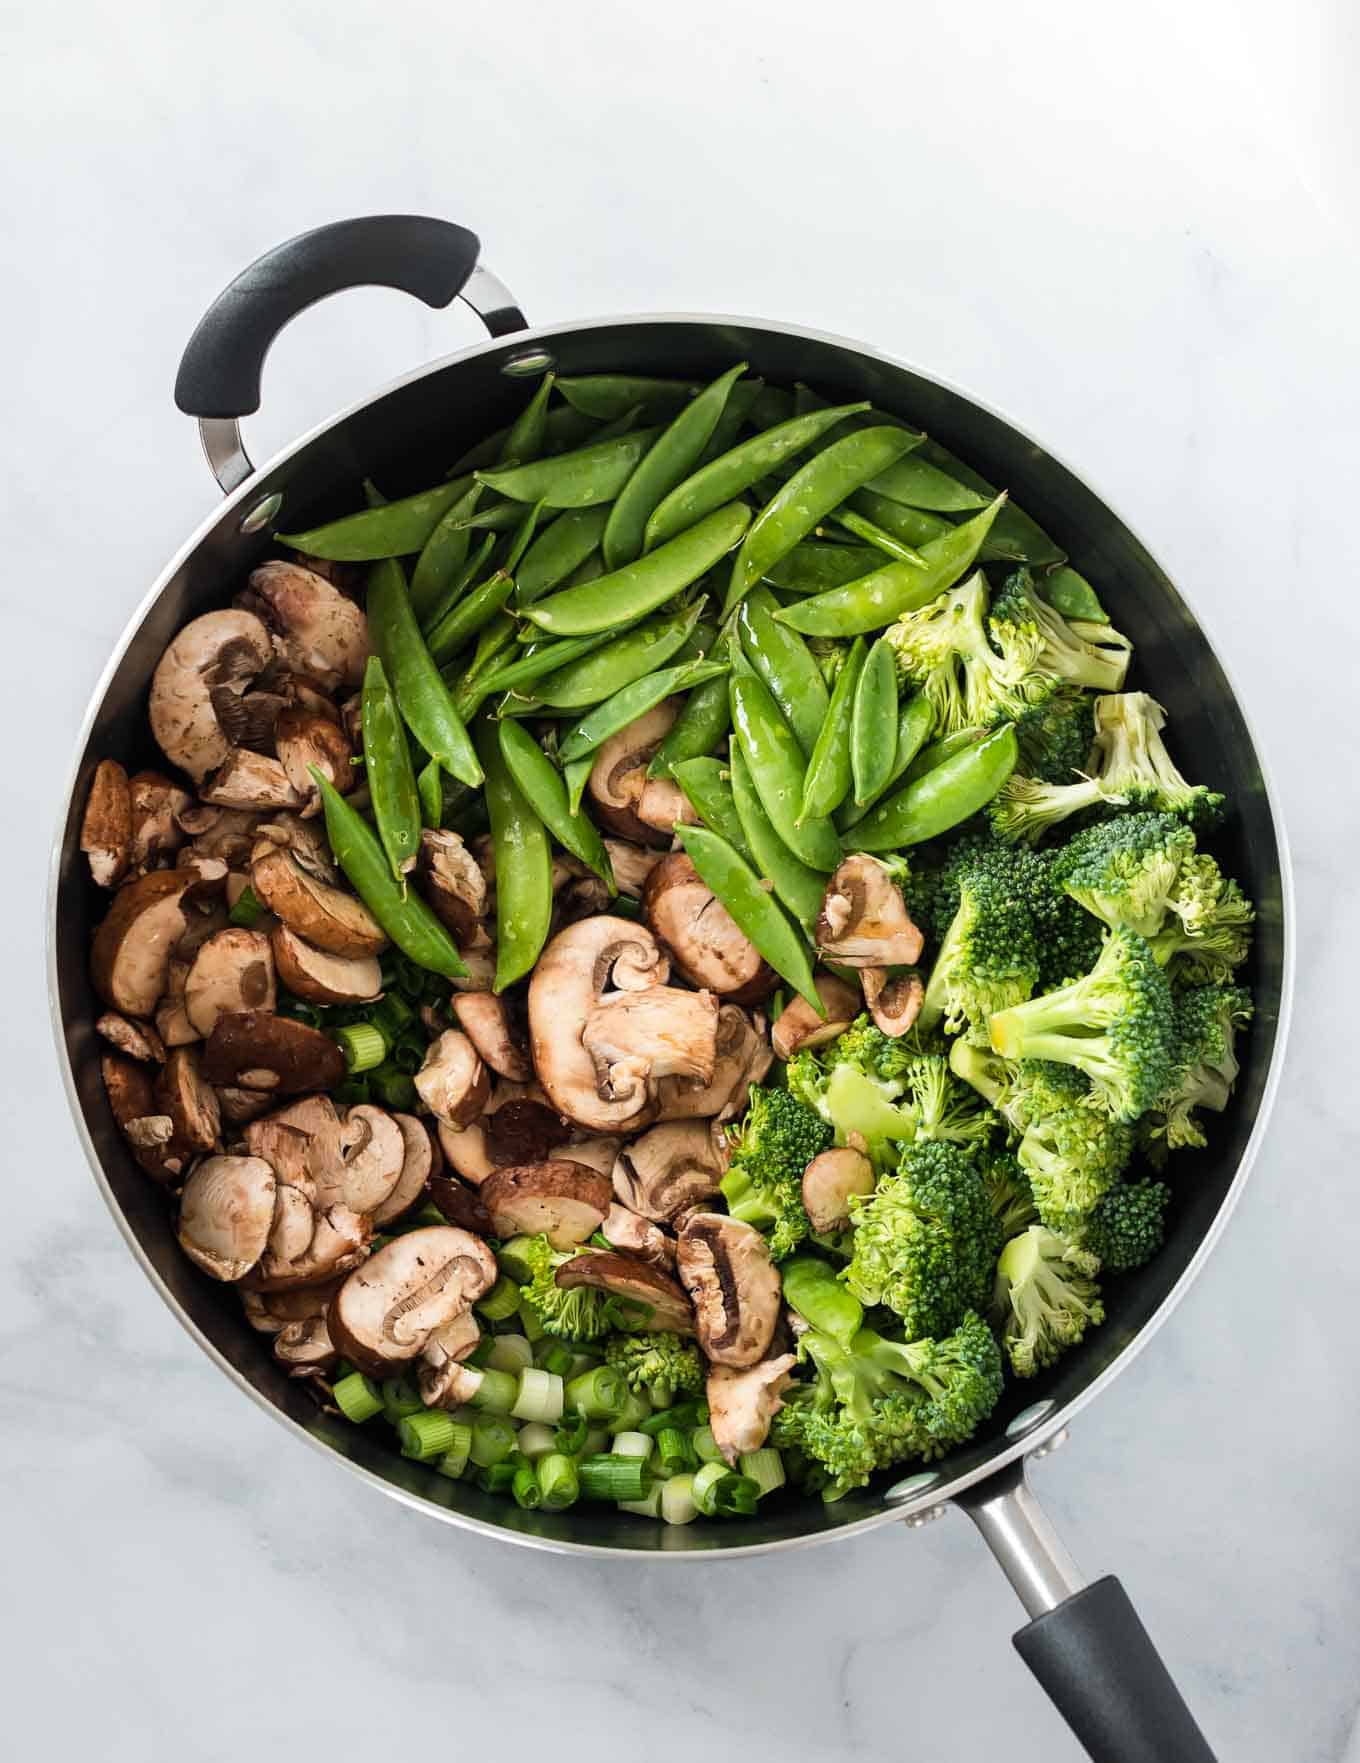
{"x": 1133, "y": 232}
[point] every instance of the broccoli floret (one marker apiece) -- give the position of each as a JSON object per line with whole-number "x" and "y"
{"x": 1093, "y": 655}
{"x": 777, "y": 1139}
{"x": 1125, "y": 870}
{"x": 1073, "y": 1155}
{"x": 660, "y": 1366}
{"x": 1204, "y": 1061}
{"x": 989, "y": 958}
{"x": 1069, "y": 944}
{"x": 1056, "y": 738}
{"x": 1210, "y": 932}
{"x": 1025, "y": 808}
{"x": 865, "y": 1046}
{"x": 946, "y": 1108}
{"x": 943, "y": 648}
{"x": 854, "y": 1082}
{"x": 925, "y": 1240}
{"x": 1125, "y": 1230}
{"x": 581, "y": 1313}
{"x": 1047, "y": 1295}
{"x": 1115, "y": 1025}
{"x": 1009, "y": 1193}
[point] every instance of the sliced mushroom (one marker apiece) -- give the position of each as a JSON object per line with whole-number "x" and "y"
{"x": 387, "y": 1309}
{"x": 157, "y": 804}
{"x": 480, "y": 960}
{"x": 247, "y": 779}
{"x": 131, "y": 1093}
{"x": 132, "y": 946}
{"x": 466, "y": 1151}
{"x": 172, "y": 1020}
{"x": 798, "y": 1024}
{"x": 321, "y": 978}
{"x": 568, "y": 983}
{"x": 828, "y": 1183}
{"x": 199, "y": 690}
{"x": 241, "y": 1106}
{"x": 894, "y": 1002}
{"x": 253, "y": 1050}
{"x": 636, "y": 1038}
{"x": 230, "y": 834}
{"x": 566, "y": 1202}
{"x": 596, "y": 1153}
{"x": 418, "y": 1166}
{"x": 628, "y": 1277}
{"x": 619, "y": 775}
{"x": 636, "y": 1235}
{"x": 522, "y": 1130}
{"x": 742, "y": 1058}
{"x": 864, "y": 920}
{"x": 316, "y": 630}
{"x": 137, "y": 1039}
{"x": 741, "y": 1404}
{"x": 499, "y": 1040}
{"x": 307, "y": 1244}
{"x": 226, "y": 1213}
{"x": 205, "y": 921}
{"x": 663, "y": 805}
{"x": 233, "y": 970}
{"x": 452, "y": 882}
{"x": 106, "y": 829}
{"x": 453, "y": 1083}
{"x": 372, "y": 1158}
{"x": 441, "y": 1377}
{"x": 325, "y": 916}
{"x": 461, "y": 1205}
{"x": 210, "y": 879}
{"x": 182, "y": 1093}
{"x": 631, "y": 865}
{"x": 704, "y": 941}
{"x": 668, "y": 1168}
{"x": 303, "y": 738}
{"x": 301, "y": 1143}
{"x": 725, "y": 1267}
{"x": 297, "y": 1321}
{"x": 306, "y": 839}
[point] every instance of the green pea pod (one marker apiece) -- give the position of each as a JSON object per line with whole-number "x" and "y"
{"x": 400, "y": 911}
{"x": 771, "y": 750}
{"x": 635, "y": 700}
{"x": 528, "y": 433}
{"x": 942, "y": 798}
{"x": 909, "y": 526}
{"x": 736, "y": 471}
{"x": 1071, "y": 594}
{"x": 608, "y": 395}
{"x": 639, "y": 588}
{"x": 519, "y": 544}
{"x": 541, "y": 785}
{"x": 873, "y": 728}
{"x": 815, "y": 565}
{"x": 430, "y": 789}
{"x": 708, "y": 791}
{"x": 1015, "y": 538}
{"x": 876, "y": 600}
{"x": 757, "y": 914}
{"x": 394, "y": 529}
{"x": 772, "y": 406}
{"x": 573, "y": 480}
{"x": 808, "y": 496}
{"x": 494, "y": 640}
{"x": 463, "y": 621}
{"x": 915, "y": 720}
{"x": 785, "y": 663}
{"x": 373, "y": 496}
{"x": 697, "y": 730}
{"x": 637, "y": 652}
{"x": 877, "y": 536}
{"x": 502, "y": 517}
{"x": 443, "y": 556}
{"x": 798, "y": 886}
{"x": 563, "y": 428}
{"x": 470, "y": 572}
{"x": 388, "y": 770}
{"x": 523, "y": 866}
{"x": 576, "y": 775}
{"x": 557, "y": 551}
{"x": 541, "y": 659}
{"x": 918, "y": 483}
{"x": 589, "y": 569}
{"x": 828, "y": 772}
{"x": 421, "y": 694}
{"x": 821, "y": 1298}
{"x": 736, "y": 413}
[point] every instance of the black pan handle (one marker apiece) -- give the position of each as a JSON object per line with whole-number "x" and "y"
{"x": 1086, "y": 1645}
{"x": 219, "y": 373}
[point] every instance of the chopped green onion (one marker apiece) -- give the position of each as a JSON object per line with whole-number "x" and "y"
{"x": 537, "y": 1440}
{"x": 530, "y": 1322}
{"x": 496, "y": 1477}
{"x": 400, "y": 1397}
{"x": 635, "y": 1410}
{"x": 480, "y": 1355}
{"x": 683, "y": 1416}
{"x": 426, "y": 1435}
{"x": 501, "y": 1302}
{"x": 610, "y": 1477}
{"x": 632, "y": 1444}
{"x": 510, "y": 1352}
{"x": 581, "y": 1362}
{"x": 677, "y": 1500}
{"x": 704, "y": 1447}
{"x": 596, "y": 1441}
{"x": 570, "y": 1436}
{"x": 599, "y": 1394}
{"x": 553, "y": 1356}
{"x": 363, "y": 1047}
{"x": 496, "y": 1391}
{"x": 540, "y": 1395}
{"x": 392, "y": 1087}
{"x": 673, "y": 1450}
{"x": 706, "y": 1480}
{"x": 455, "y": 1459}
{"x": 512, "y": 1259}
{"x": 390, "y": 1015}
{"x": 247, "y": 909}
{"x": 408, "y": 1055}
{"x": 558, "y": 1482}
{"x": 525, "y": 1488}
{"x": 765, "y": 1468}
{"x": 649, "y": 1506}
{"x": 429, "y": 1215}
{"x": 493, "y": 1439}
{"x": 357, "y": 1397}
{"x": 720, "y": 1492}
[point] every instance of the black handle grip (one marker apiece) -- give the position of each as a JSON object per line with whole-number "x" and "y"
{"x": 219, "y": 374}
{"x": 1104, "y": 1676}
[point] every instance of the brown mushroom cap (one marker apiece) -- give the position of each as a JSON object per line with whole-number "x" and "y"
{"x": 667, "y": 1168}
{"x": 241, "y": 1106}
{"x": 226, "y": 1213}
{"x": 296, "y": 1318}
{"x": 499, "y": 1040}
{"x": 635, "y": 1280}
{"x": 743, "y": 1057}
{"x": 741, "y": 1404}
{"x": 322, "y": 978}
{"x": 316, "y": 630}
{"x": 894, "y": 1002}
{"x": 798, "y": 1024}
{"x": 387, "y": 1309}
{"x": 460, "y": 1204}
{"x": 183, "y": 1094}
{"x": 829, "y": 1181}
{"x": 453, "y": 1083}
{"x": 253, "y": 1050}
{"x": 246, "y": 779}
{"x": 452, "y": 882}
{"x": 466, "y": 1151}
{"x": 634, "y": 1235}
{"x": 522, "y": 1130}
{"x": 566, "y": 1202}
{"x": 372, "y": 1155}
{"x": 307, "y": 1244}
{"x": 133, "y": 945}
{"x": 199, "y": 685}
{"x": 725, "y": 1267}
{"x": 325, "y": 916}
{"x": 305, "y": 737}
{"x": 619, "y": 775}
{"x": 233, "y": 970}
{"x": 864, "y": 920}
{"x": 418, "y": 1167}
{"x": 157, "y": 804}
{"x": 287, "y": 831}
{"x": 704, "y": 941}
{"x": 106, "y": 828}
{"x": 137, "y": 1039}
{"x": 132, "y": 1102}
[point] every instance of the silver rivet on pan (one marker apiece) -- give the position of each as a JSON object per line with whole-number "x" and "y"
{"x": 912, "y": 1485}
{"x": 262, "y": 513}
{"x": 927, "y": 1515}
{"x": 1049, "y": 1446}
{"x": 1028, "y": 1418}
{"x": 527, "y": 363}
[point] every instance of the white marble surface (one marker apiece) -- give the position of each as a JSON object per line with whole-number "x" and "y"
{"x": 1132, "y": 229}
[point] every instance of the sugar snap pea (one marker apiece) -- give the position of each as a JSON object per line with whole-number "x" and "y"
{"x": 640, "y": 587}
{"x": 394, "y": 529}
{"x": 707, "y": 787}
{"x": 799, "y": 886}
{"x": 915, "y": 720}
{"x": 816, "y": 565}
{"x": 607, "y": 395}
{"x": 463, "y": 620}
{"x": 443, "y": 555}
{"x": 777, "y": 766}
{"x": 784, "y": 661}
{"x": 471, "y": 571}
{"x": 589, "y": 569}
{"x": 576, "y": 774}
{"x": 812, "y": 492}
{"x": 387, "y": 768}
{"x": 736, "y": 413}
{"x": 540, "y": 659}
{"x": 697, "y": 730}
{"x": 373, "y": 496}
{"x": 492, "y": 642}
{"x": 430, "y": 789}
{"x": 605, "y": 671}
{"x": 736, "y": 471}
{"x": 502, "y": 517}
{"x": 828, "y": 772}
{"x": 873, "y": 728}
{"x": 918, "y": 483}
{"x": 522, "y": 538}
{"x": 558, "y": 549}
{"x": 594, "y": 473}
{"x": 421, "y": 694}
{"x": 879, "y": 537}
{"x": 945, "y": 748}
{"x": 756, "y": 914}
{"x": 667, "y": 462}
{"x": 635, "y": 700}
{"x": 523, "y": 860}
{"x": 1015, "y": 538}
{"x": 528, "y": 433}
{"x": 1070, "y": 593}
{"x": 876, "y": 600}
{"x": 563, "y": 428}
{"x": 909, "y": 526}
{"x": 541, "y": 785}
{"x": 400, "y": 911}
{"x": 944, "y": 797}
